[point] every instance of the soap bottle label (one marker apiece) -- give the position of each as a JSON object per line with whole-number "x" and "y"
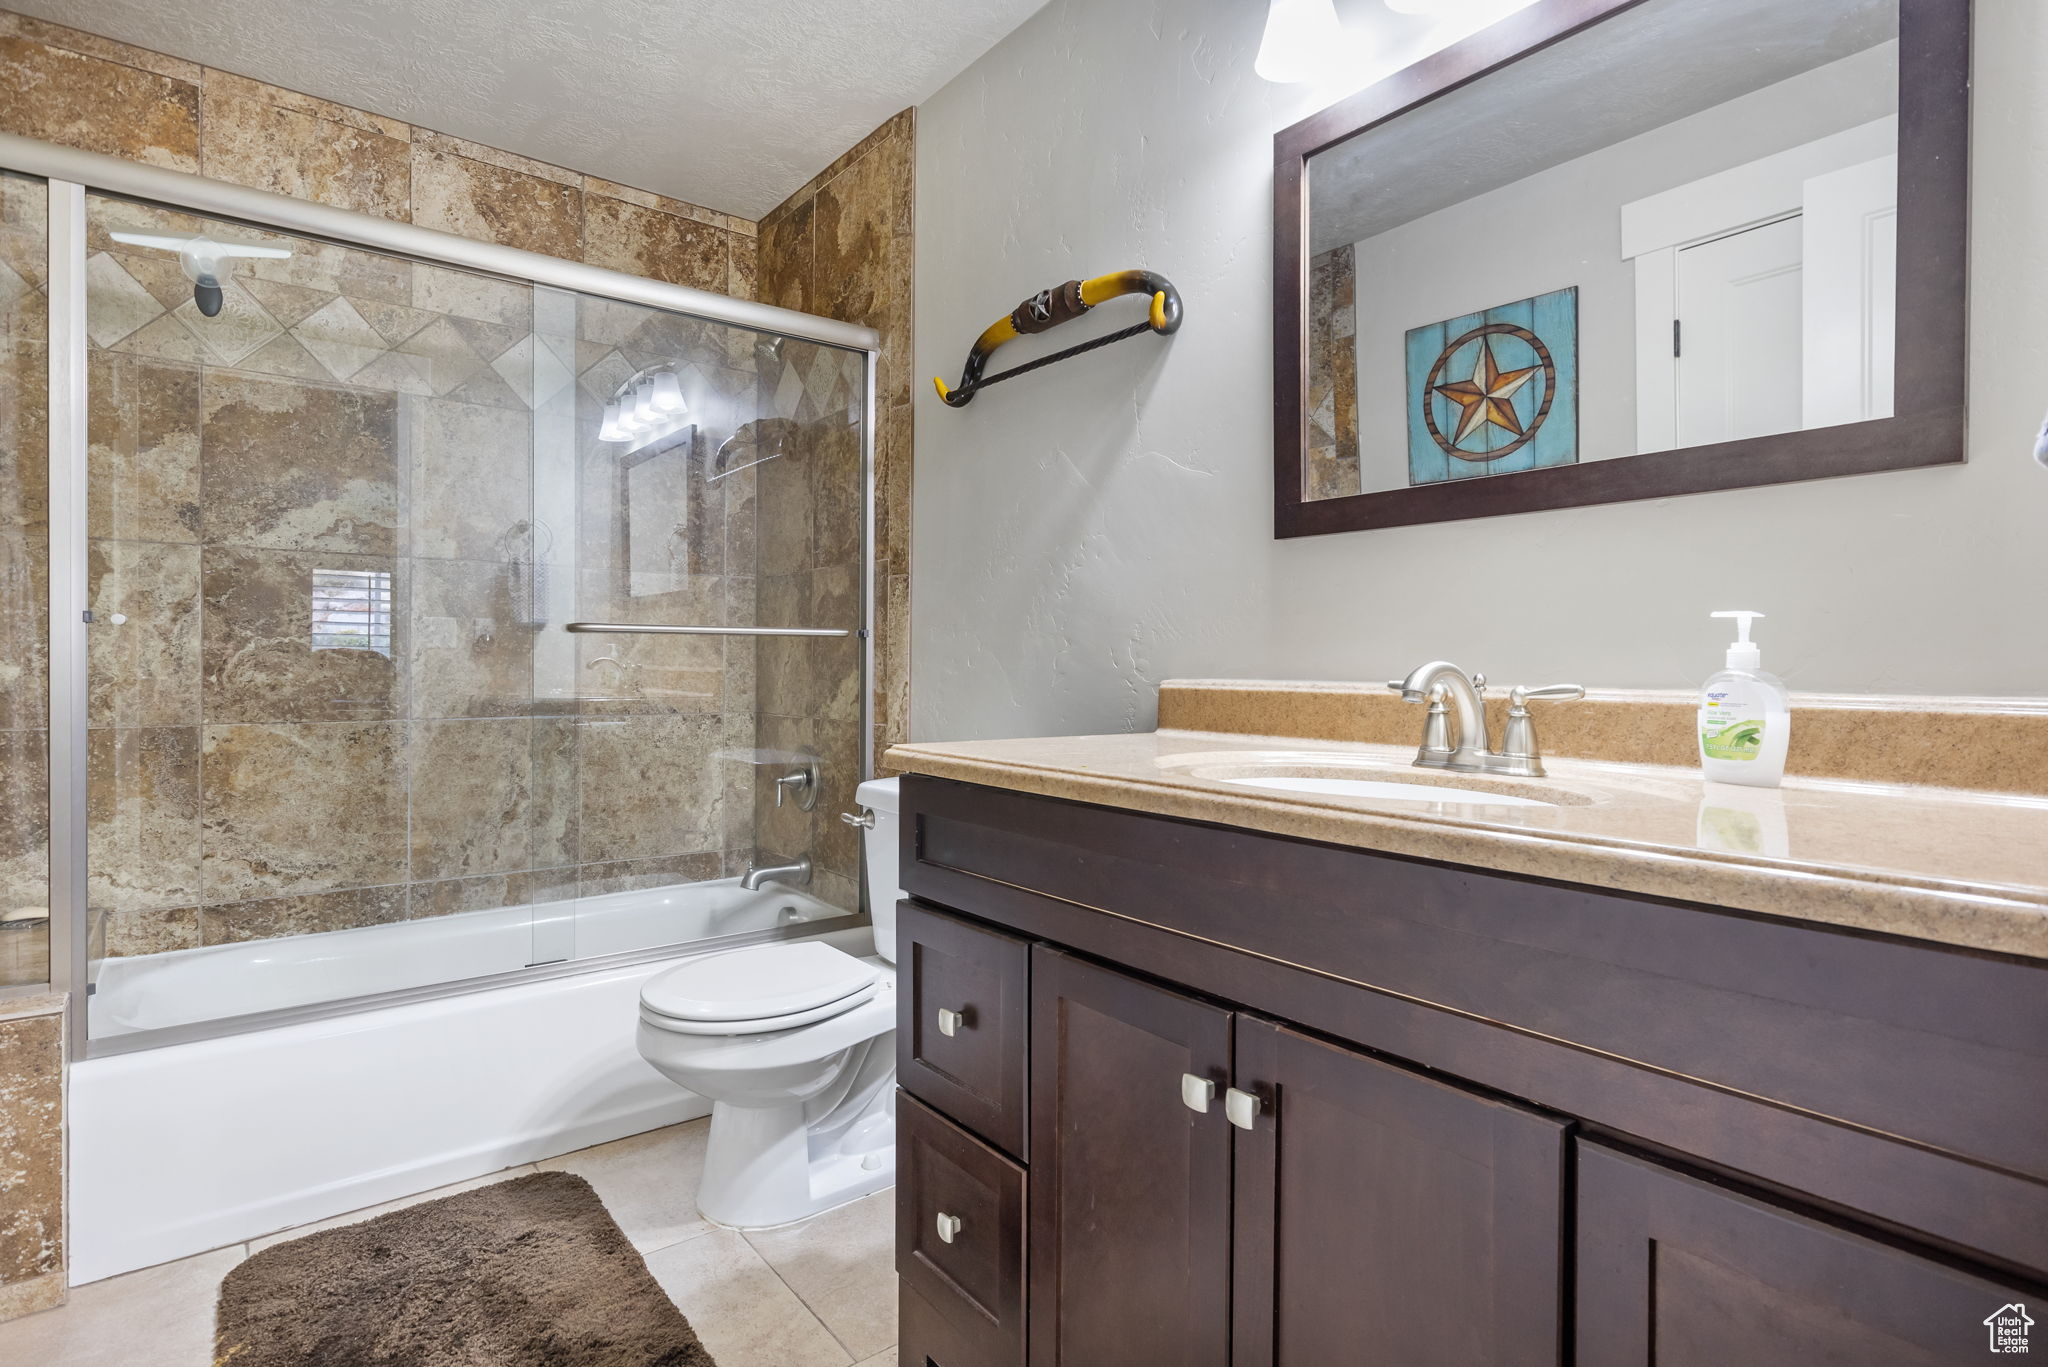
{"x": 1730, "y": 727}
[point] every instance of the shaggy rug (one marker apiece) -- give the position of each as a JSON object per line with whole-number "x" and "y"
{"x": 527, "y": 1273}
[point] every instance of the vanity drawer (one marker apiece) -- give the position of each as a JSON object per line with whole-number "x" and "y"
{"x": 961, "y": 1041}
{"x": 959, "y": 1242}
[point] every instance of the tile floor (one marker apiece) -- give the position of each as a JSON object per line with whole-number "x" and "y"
{"x": 819, "y": 1294}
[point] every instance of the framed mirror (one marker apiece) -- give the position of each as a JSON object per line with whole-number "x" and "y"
{"x": 1624, "y": 249}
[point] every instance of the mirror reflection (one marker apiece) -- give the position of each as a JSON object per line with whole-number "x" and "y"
{"x": 1673, "y": 229}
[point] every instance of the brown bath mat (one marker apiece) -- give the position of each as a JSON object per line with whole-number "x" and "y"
{"x": 527, "y": 1273}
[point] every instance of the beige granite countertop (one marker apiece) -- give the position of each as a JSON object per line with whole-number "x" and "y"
{"x": 1940, "y": 864}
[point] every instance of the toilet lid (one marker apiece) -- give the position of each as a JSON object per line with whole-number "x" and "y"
{"x": 760, "y": 983}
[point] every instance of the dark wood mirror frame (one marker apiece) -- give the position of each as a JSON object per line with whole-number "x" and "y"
{"x": 1927, "y": 426}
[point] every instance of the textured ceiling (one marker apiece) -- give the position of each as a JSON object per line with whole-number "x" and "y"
{"x": 1648, "y": 67}
{"x": 732, "y": 104}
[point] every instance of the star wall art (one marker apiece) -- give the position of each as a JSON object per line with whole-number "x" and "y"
{"x": 1494, "y": 392}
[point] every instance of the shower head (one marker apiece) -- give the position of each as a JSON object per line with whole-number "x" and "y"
{"x": 201, "y": 258}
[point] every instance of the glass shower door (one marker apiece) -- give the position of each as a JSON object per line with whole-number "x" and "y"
{"x": 696, "y": 485}
{"x": 24, "y": 584}
{"x": 316, "y": 765}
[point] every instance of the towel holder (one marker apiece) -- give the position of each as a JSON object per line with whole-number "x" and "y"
{"x": 1047, "y": 309}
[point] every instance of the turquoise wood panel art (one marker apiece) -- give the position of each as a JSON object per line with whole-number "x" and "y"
{"x": 1494, "y": 392}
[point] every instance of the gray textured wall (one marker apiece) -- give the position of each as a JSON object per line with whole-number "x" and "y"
{"x": 1084, "y": 533}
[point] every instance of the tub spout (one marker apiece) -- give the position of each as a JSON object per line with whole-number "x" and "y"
{"x": 797, "y": 871}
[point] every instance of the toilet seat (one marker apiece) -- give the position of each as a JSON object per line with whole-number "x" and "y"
{"x": 758, "y": 989}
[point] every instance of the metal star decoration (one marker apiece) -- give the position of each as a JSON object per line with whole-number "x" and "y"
{"x": 1487, "y": 397}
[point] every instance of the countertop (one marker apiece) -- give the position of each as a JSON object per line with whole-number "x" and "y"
{"x": 1946, "y": 865}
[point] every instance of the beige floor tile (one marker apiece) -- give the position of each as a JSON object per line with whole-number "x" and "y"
{"x": 842, "y": 1265}
{"x": 159, "y": 1317}
{"x": 371, "y": 1212}
{"x": 885, "y": 1358}
{"x": 740, "y": 1308}
{"x": 647, "y": 1181}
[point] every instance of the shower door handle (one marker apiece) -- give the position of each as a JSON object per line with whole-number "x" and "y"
{"x": 638, "y": 629}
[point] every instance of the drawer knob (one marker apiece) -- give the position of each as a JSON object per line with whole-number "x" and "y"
{"x": 1197, "y": 1092}
{"x": 1241, "y": 1108}
{"x": 950, "y": 1021}
{"x": 949, "y": 1227}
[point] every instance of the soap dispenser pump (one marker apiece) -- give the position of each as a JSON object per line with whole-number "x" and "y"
{"x": 1745, "y": 720}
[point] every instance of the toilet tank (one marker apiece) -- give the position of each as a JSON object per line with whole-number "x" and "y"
{"x": 879, "y": 797}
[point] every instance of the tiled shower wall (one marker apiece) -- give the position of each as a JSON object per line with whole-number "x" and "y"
{"x": 352, "y": 414}
{"x": 24, "y": 586}
{"x": 81, "y": 90}
{"x": 31, "y": 1154}
{"x": 842, "y": 248}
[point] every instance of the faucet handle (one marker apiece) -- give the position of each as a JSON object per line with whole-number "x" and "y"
{"x": 1518, "y": 752}
{"x": 1521, "y": 693}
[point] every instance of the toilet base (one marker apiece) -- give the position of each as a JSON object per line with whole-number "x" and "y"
{"x": 775, "y": 1165}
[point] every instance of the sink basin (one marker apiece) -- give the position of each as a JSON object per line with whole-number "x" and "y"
{"x": 1386, "y": 789}
{"x": 1336, "y": 773}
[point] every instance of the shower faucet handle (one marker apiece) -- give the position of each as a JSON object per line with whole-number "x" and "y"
{"x": 800, "y": 783}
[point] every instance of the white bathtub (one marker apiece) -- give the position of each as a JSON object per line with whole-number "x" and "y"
{"x": 187, "y": 1147}
{"x": 186, "y": 986}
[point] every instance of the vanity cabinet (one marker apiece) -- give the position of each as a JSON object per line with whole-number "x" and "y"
{"x": 1674, "y": 1271}
{"x": 1266, "y": 1103}
{"x": 1388, "y": 1219}
{"x": 1130, "y": 1192}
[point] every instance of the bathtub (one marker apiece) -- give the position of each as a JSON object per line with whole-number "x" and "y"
{"x": 189, "y": 986}
{"x": 193, "y": 1146}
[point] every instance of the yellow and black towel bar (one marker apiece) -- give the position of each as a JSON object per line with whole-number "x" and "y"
{"x": 1047, "y": 309}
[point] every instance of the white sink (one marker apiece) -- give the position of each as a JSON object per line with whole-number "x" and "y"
{"x": 1388, "y": 789}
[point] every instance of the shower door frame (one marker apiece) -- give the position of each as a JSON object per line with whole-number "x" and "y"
{"x": 70, "y": 175}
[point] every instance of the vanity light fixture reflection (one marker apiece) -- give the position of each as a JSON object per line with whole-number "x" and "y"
{"x": 647, "y": 408}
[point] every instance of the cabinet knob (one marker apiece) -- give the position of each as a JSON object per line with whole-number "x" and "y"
{"x": 949, "y": 1226}
{"x": 1241, "y": 1108}
{"x": 950, "y": 1021}
{"x": 1197, "y": 1092}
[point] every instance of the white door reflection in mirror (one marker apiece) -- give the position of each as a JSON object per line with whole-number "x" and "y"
{"x": 1737, "y": 339}
{"x": 1850, "y": 313}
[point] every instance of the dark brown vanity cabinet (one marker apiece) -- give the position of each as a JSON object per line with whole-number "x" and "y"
{"x": 1206, "y": 1097}
{"x": 1210, "y": 1188}
{"x": 1130, "y": 1191}
{"x": 1678, "y": 1272}
{"x": 1387, "y": 1219}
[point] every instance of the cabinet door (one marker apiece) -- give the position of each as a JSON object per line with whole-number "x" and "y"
{"x": 1389, "y": 1220}
{"x": 1678, "y": 1272}
{"x": 1130, "y": 1188}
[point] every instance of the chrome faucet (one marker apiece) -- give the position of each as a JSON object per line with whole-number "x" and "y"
{"x": 1454, "y": 733}
{"x": 797, "y": 871}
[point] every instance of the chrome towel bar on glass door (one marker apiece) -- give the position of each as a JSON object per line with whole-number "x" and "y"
{"x": 633, "y": 628}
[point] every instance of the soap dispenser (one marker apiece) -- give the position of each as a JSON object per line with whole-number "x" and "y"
{"x": 1745, "y": 717}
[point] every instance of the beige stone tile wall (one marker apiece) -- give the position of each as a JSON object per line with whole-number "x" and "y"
{"x": 1333, "y": 470}
{"x": 209, "y": 692}
{"x": 81, "y": 90}
{"x": 31, "y": 1155}
{"x": 212, "y": 673}
{"x": 842, "y": 247}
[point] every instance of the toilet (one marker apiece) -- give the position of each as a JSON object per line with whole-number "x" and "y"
{"x": 794, "y": 1044}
